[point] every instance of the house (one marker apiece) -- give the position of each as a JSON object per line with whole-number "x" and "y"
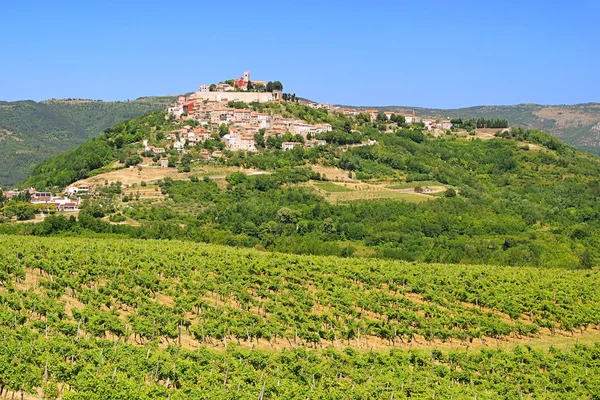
{"x": 429, "y": 123}
{"x": 204, "y": 154}
{"x": 322, "y": 128}
{"x": 164, "y": 162}
{"x": 9, "y": 194}
{"x": 68, "y": 207}
{"x": 202, "y": 134}
{"x": 235, "y": 141}
{"x": 204, "y": 88}
{"x": 175, "y": 110}
{"x": 41, "y": 199}
{"x": 246, "y": 143}
{"x": 263, "y": 120}
{"x": 445, "y": 124}
{"x": 221, "y": 115}
{"x": 301, "y": 128}
{"x": 241, "y": 115}
{"x": 157, "y": 150}
{"x": 388, "y": 114}
{"x": 315, "y": 143}
{"x": 373, "y": 114}
{"x": 224, "y": 87}
{"x": 253, "y": 118}
{"x": 83, "y": 188}
{"x": 179, "y": 146}
{"x": 289, "y": 145}
{"x": 240, "y": 83}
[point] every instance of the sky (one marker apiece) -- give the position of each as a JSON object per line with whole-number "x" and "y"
{"x": 439, "y": 54}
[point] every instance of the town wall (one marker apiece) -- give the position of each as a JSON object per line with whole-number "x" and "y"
{"x": 247, "y": 97}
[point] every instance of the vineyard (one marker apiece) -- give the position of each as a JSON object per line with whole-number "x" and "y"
{"x": 110, "y": 318}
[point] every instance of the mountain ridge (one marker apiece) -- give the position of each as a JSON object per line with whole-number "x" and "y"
{"x": 31, "y": 131}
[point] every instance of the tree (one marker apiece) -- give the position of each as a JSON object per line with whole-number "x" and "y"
{"x": 399, "y": 119}
{"x": 275, "y": 85}
{"x": 223, "y": 130}
{"x": 133, "y": 160}
{"x": 20, "y": 209}
{"x": 212, "y": 87}
{"x": 328, "y": 226}
{"x": 585, "y": 260}
{"x": 288, "y": 216}
{"x": 450, "y": 193}
{"x": 259, "y": 139}
{"x": 186, "y": 163}
{"x": 363, "y": 119}
{"x": 173, "y": 160}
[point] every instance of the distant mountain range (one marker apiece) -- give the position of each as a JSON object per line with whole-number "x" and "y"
{"x": 577, "y": 125}
{"x": 31, "y": 132}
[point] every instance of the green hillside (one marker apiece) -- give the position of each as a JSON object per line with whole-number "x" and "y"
{"x": 31, "y": 132}
{"x": 577, "y": 125}
{"x": 107, "y": 318}
{"x": 522, "y": 198}
{"x": 322, "y": 272}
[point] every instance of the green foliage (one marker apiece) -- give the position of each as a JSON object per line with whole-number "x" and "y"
{"x": 275, "y": 85}
{"x": 450, "y": 192}
{"x": 479, "y": 123}
{"x": 77, "y": 164}
{"x": 149, "y": 319}
{"x": 41, "y": 130}
{"x": 237, "y": 104}
{"x": 21, "y": 210}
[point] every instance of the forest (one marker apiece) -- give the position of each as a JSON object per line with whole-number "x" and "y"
{"x": 85, "y": 318}
{"x": 31, "y": 132}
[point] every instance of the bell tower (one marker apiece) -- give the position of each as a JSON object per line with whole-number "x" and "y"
{"x": 246, "y": 76}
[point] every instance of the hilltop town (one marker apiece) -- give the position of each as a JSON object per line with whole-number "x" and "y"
{"x": 216, "y": 107}
{"x": 238, "y": 116}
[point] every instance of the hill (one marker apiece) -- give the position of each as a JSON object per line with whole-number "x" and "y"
{"x": 31, "y": 132}
{"x": 518, "y": 197}
{"x": 107, "y": 318}
{"x": 577, "y": 125}
{"x": 374, "y": 259}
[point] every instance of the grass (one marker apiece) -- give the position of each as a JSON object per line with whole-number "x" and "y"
{"x": 375, "y": 194}
{"x": 437, "y": 194}
{"x": 414, "y": 184}
{"x": 332, "y": 187}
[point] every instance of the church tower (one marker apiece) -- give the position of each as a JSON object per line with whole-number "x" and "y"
{"x": 246, "y": 76}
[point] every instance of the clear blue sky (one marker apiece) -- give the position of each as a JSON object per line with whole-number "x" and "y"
{"x": 420, "y": 53}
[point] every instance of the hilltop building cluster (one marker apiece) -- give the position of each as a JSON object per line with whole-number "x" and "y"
{"x": 210, "y": 109}
{"x": 237, "y": 90}
{"x": 412, "y": 118}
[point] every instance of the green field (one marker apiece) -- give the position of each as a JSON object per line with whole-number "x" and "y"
{"x": 331, "y": 187}
{"x": 414, "y": 184}
{"x": 107, "y": 318}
